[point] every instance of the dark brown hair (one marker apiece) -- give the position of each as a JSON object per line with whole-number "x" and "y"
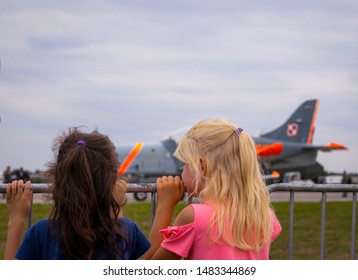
{"x": 82, "y": 177}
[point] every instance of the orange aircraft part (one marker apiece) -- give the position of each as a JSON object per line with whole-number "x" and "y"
{"x": 273, "y": 149}
{"x": 310, "y": 136}
{"x": 275, "y": 174}
{"x": 131, "y": 156}
{"x": 336, "y": 146}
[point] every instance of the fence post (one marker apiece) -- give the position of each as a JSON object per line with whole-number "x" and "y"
{"x": 290, "y": 225}
{"x": 354, "y": 225}
{"x": 323, "y": 224}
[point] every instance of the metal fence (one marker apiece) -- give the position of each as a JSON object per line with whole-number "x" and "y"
{"x": 291, "y": 188}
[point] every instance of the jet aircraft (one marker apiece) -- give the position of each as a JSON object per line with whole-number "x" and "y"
{"x": 290, "y": 147}
{"x": 284, "y": 149}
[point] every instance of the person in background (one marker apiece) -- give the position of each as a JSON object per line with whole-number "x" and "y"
{"x": 85, "y": 221}
{"x": 234, "y": 219}
{"x": 346, "y": 179}
{"x": 23, "y": 175}
{"x": 7, "y": 175}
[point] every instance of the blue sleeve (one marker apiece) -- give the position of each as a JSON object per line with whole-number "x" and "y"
{"x": 38, "y": 243}
{"x": 29, "y": 248}
{"x": 138, "y": 242}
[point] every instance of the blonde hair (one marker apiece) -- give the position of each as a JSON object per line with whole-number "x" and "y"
{"x": 234, "y": 185}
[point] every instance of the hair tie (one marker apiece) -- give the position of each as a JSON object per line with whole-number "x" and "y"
{"x": 82, "y": 143}
{"x": 238, "y": 130}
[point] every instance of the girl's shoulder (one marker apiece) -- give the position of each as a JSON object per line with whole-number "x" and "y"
{"x": 127, "y": 222}
{"x": 39, "y": 231}
{"x": 188, "y": 214}
{"x": 202, "y": 207}
{"x": 129, "y": 225}
{"x": 42, "y": 223}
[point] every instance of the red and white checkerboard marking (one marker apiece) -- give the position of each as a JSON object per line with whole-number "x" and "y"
{"x": 292, "y": 129}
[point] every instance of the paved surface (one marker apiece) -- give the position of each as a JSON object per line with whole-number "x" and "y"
{"x": 310, "y": 196}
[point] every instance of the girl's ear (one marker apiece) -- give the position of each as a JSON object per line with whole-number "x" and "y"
{"x": 203, "y": 165}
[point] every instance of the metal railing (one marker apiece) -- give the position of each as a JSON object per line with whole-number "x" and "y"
{"x": 131, "y": 188}
{"x": 291, "y": 188}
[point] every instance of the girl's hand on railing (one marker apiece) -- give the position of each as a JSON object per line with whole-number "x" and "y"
{"x": 170, "y": 190}
{"x": 119, "y": 191}
{"x": 119, "y": 194}
{"x": 18, "y": 200}
{"x": 18, "y": 204}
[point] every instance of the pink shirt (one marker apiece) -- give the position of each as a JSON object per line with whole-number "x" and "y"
{"x": 190, "y": 241}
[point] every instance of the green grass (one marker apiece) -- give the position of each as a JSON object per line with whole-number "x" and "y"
{"x": 306, "y": 235}
{"x": 307, "y": 227}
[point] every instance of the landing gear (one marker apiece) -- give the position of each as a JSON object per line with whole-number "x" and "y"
{"x": 140, "y": 196}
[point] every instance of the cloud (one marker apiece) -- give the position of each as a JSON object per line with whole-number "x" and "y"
{"x": 139, "y": 70}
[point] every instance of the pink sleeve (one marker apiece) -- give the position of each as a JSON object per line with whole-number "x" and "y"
{"x": 276, "y": 227}
{"x": 178, "y": 239}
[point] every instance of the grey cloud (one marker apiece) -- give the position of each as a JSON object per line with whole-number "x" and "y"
{"x": 140, "y": 69}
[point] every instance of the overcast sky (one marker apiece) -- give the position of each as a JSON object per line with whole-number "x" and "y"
{"x": 141, "y": 70}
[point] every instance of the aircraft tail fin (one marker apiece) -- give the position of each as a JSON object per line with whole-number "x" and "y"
{"x": 300, "y": 125}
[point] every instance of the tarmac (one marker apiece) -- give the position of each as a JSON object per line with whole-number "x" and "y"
{"x": 310, "y": 196}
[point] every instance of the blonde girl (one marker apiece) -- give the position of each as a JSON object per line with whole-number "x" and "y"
{"x": 234, "y": 219}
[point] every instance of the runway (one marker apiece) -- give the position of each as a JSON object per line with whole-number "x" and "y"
{"x": 310, "y": 196}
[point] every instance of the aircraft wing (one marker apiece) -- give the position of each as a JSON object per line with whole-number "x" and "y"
{"x": 328, "y": 147}
{"x": 333, "y": 146}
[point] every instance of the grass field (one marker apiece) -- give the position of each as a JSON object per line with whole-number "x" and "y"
{"x": 306, "y": 236}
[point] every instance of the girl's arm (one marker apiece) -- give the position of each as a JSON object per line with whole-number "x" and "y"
{"x": 18, "y": 203}
{"x": 170, "y": 190}
{"x": 186, "y": 216}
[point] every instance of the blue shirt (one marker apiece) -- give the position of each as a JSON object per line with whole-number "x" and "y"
{"x": 40, "y": 244}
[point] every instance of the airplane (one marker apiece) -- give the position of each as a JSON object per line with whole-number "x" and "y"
{"x": 285, "y": 149}
{"x": 290, "y": 147}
